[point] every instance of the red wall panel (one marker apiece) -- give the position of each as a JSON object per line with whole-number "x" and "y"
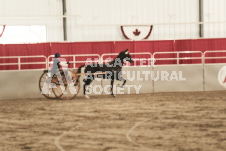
{"x": 23, "y": 50}
{"x": 202, "y": 45}
{"x": 100, "y": 48}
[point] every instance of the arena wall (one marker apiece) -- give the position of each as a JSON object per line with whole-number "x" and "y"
{"x": 181, "y": 78}
{"x": 24, "y": 84}
{"x": 19, "y": 84}
{"x": 211, "y": 77}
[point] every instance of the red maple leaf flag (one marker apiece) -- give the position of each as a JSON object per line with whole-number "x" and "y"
{"x": 136, "y": 32}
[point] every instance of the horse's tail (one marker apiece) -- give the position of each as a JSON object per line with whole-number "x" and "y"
{"x": 79, "y": 71}
{"x": 80, "y": 68}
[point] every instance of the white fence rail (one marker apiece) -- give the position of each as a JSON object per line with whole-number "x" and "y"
{"x": 217, "y": 55}
{"x": 178, "y": 56}
{"x": 19, "y": 62}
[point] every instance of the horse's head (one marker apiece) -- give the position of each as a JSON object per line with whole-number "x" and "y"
{"x": 126, "y": 56}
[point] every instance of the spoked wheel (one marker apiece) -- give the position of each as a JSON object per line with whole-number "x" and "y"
{"x": 46, "y": 90}
{"x": 69, "y": 91}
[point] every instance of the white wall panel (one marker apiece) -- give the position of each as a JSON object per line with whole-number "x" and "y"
{"x": 95, "y": 14}
{"x": 14, "y": 12}
{"x": 101, "y": 19}
{"x": 215, "y": 11}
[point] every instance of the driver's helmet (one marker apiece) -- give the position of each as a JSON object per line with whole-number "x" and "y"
{"x": 57, "y": 55}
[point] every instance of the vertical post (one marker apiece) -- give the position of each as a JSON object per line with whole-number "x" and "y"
{"x": 153, "y": 75}
{"x": 152, "y": 60}
{"x": 101, "y": 59}
{"x": 74, "y": 62}
{"x": 178, "y": 61}
{"x": 19, "y": 63}
{"x": 46, "y": 63}
{"x": 64, "y": 7}
{"x": 203, "y": 69}
{"x": 201, "y": 19}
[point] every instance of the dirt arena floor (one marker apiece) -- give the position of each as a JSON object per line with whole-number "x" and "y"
{"x": 161, "y": 121}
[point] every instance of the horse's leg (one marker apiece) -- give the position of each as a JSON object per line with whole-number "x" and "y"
{"x": 118, "y": 77}
{"x": 124, "y": 82}
{"x": 112, "y": 83}
{"x": 87, "y": 83}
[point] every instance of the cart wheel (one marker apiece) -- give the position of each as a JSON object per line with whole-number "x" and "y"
{"x": 42, "y": 80}
{"x": 70, "y": 91}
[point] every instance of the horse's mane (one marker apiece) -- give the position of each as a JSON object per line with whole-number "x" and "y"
{"x": 118, "y": 56}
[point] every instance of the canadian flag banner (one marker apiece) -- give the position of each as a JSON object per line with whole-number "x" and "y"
{"x": 136, "y": 32}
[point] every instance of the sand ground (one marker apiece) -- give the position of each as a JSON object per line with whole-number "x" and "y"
{"x": 160, "y": 121}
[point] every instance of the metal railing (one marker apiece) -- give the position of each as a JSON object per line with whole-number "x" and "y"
{"x": 178, "y": 58}
{"x": 214, "y": 57}
{"x": 19, "y": 63}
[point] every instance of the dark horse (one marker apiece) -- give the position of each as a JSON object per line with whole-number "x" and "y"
{"x": 111, "y": 70}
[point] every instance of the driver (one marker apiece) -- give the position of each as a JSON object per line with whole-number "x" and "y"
{"x": 56, "y": 64}
{"x": 55, "y": 71}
